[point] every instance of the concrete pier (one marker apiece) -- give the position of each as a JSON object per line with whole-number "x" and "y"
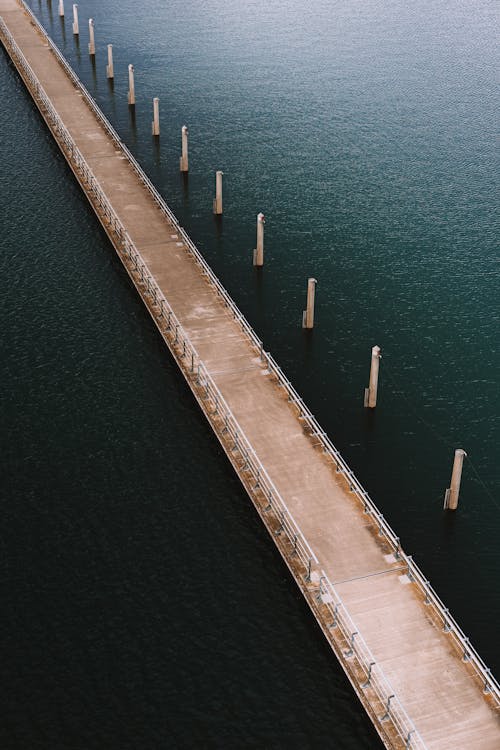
{"x": 412, "y": 668}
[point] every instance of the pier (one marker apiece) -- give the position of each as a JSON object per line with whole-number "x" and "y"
{"x": 420, "y": 681}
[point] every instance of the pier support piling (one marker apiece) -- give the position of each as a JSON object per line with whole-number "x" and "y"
{"x": 371, "y": 391}
{"x": 61, "y": 8}
{"x": 452, "y": 493}
{"x": 92, "y": 40}
{"x": 156, "y": 116}
{"x": 131, "y": 85}
{"x": 183, "y": 161}
{"x": 258, "y": 253}
{"x": 308, "y": 314}
{"x": 110, "y": 73}
{"x": 76, "y": 28}
{"x": 218, "y": 193}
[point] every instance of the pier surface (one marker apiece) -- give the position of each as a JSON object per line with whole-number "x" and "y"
{"x": 339, "y": 554}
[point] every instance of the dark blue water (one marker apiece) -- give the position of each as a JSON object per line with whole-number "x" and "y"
{"x": 144, "y": 605}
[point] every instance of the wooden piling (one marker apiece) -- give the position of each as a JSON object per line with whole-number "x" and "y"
{"x": 308, "y": 314}
{"x": 76, "y": 28}
{"x": 92, "y": 39}
{"x": 156, "y": 117}
{"x": 258, "y": 253}
{"x": 217, "y": 205}
{"x": 371, "y": 391}
{"x": 61, "y": 8}
{"x": 452, "y": 493}
{"x": 131, "y": 85}
{"x": 183, "y": 161}
{"x": 110, "y": 73}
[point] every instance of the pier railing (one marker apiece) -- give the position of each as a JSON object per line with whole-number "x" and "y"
{"x": 193, "y": 367}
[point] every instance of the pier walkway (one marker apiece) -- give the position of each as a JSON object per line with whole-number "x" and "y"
{"x": 417, "y": 676}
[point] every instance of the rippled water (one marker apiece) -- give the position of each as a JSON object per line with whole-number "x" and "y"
{"x": 144, "y": 605}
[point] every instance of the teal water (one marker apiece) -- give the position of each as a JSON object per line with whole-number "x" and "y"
{"x": 145, "y": 606}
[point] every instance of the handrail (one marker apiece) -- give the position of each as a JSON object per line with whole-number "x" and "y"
{"x": 252, "y": 463}
{"x": 374, "y": 676}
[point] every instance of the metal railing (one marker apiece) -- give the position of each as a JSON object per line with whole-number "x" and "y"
{"x": 179, "y": 342}
{"x": 374, "y": 678}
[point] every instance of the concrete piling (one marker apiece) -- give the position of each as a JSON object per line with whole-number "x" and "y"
{"x": 92, "y": 40}
{"x": 452, "y": 493}
{"x": 183, "y": 161}
{"x": 76, "y": 28}
{"x": 110, "y": 73}
{"x": 371, "y": 391}
{"x": 156, "y": 116}
{"x": 258, "y": 253}
{"x": 308, "y": 314}
{"x": 131, "y": 85}
{"x": 218, "y": 193}
{"x": 61, "y": 8}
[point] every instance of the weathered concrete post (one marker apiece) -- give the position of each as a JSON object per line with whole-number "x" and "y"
{"x": 61, "y": 8}
{"x": 183, "y": 161}
{"x": 131, "y": 85}
{"x": 371, "y": 391}
{"x": 258, "y": 253}
{"x": 218, "y": 192}
{"x": 452, "y": 493}
{"x": 76, "y": 28}
{"x": 92, "y": 40}
{"x": 110, "y": 73}
{"x": 308, "y": 314}
{"x": 156, "y": 116}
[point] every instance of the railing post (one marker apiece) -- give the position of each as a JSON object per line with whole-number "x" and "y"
{"x": 387, "y": 709}
{"x": 350, "y": 651}
{"x": 369, "y": 677}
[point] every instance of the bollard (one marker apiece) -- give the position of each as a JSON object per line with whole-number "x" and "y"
{"x": 371, "y": 391}
{"x": 308, "y": 315}
{"x": 131, "y": 85}
{"x": 76, "y": 29}
{"x": 258, "y": 253}
{"x": 110, "y": 73}
{"x": 61, "y": 8}
{"x": 156, "y": 116}
{"x": 452, "y": 493}
{"x": 92, "y": 40}
{"x": 183, "y": 161}
{"x": 218, "y": 193}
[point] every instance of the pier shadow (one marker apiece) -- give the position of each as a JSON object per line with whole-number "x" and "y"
{"x": 76, "y": 39}
{"x": 49, "y": 8}
{"x": 156, "y": 150}
{"x": 63, "y": 29}
{"x": 185, "y": 185}
{"x": 219, "y": 226}
{"x": 94, "y": 70}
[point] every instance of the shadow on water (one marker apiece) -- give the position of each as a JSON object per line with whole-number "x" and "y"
{"x": 63, "y": 29}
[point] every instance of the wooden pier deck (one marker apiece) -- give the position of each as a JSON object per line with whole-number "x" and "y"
{"x": 425, "y": 688}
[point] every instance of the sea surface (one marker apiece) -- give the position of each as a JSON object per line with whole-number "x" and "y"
{"x": 143, "y": 603}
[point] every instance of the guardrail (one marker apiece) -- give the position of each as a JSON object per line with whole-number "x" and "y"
{"x": 395, "y": 712}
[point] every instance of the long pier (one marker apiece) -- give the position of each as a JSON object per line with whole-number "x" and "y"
{"x": 415, "y": 672}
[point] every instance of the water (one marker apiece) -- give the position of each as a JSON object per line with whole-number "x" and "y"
{"x": 144, "y": 604}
